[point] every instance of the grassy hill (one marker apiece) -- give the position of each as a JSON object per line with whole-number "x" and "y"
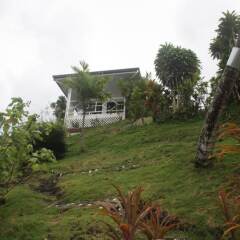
{"x": 56, "y": 202}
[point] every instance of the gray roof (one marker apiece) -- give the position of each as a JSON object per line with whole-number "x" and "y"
{"x": 112, "y": 85}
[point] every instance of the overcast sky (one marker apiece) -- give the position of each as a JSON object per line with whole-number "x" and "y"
{"x": 40, "y": 38}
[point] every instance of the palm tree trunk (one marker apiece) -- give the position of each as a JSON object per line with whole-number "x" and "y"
{"x": 224, "y": 90}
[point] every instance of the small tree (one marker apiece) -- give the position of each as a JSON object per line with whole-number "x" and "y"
{"x": 158, "y": 101}
{"x": 137, "y": 108}
{"x": 126, "y": 86}
{"x": 87, "y": 87}
{"x": 137, "y": 100}
{"x": 59, "y": 108}
{"x": 18, "y": 133}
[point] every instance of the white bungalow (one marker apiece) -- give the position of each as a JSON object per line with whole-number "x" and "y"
{"x": 98, "y": 113}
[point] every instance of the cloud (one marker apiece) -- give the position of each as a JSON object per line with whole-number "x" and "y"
{"x": 42, "y": 38}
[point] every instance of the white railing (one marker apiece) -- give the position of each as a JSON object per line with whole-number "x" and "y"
{"x": 93, "y": 120}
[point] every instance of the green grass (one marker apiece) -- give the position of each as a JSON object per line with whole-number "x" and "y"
{"x": 157, "y": 157}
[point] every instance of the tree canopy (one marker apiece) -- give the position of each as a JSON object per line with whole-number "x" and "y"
{"x": 176, "y": 65}
{"x": 227, "y": 31}
{"x": 87, "y": 86}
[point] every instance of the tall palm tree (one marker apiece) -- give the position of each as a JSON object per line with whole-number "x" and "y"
{"x": 223, "y": 92}
{"x": 221, "y": 45}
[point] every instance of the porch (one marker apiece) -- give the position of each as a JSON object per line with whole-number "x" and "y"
{"x": 97, "y": 114}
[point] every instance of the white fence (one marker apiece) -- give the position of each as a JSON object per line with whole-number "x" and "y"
{"x": 93, "y": 120}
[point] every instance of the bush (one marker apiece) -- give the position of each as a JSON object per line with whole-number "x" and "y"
{"x": 53, "y": 138}
{"x": 18, "y": 131}
{"x": 132, "y": 215}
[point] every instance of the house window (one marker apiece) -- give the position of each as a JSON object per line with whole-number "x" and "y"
{"x": 98, "y": 107}
{"x": 94, "y": 108}
{"x": 111, "y": 107}
{"x": 120, "y": 106}
{"x": 115, "y": 107}
{"x": 90, "y": 107}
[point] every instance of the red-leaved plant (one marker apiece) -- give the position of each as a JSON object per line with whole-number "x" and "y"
{"x": 232, "y": 131}
{"x": 132, "y": 215}
{"x": 158, "y": 223}
{"x": 231, "y": 210}
{"x": 126, "y": 213}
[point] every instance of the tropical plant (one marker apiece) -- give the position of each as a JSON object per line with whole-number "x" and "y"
{"x": 59, "y": 108}
{"x": 126, "y": 87}
{"x": 133, "y": 215}
{"x": 126, "y": 214}
{"x": 87, "y": 87}
{"x": 224, "y": 90}
{"x": 17, "y": 157}
{"x": 231, "y": 211}
{"x": 220, "y": 48}
{"x": 222, "y": 44}
{"x": 230, "y": 197}
{"x": 158, "y": 223}
{"x": 178, "y": 69}
{"x": 158, "y": 101}
{"x": 137, "y": 108}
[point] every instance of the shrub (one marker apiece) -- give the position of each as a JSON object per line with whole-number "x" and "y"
{"x": 53, "y": 137}
{"x": 158, "y": 223}
{"x": 17, "y": 156}
{"x": 158, "y": 101}
{"x": 42, "y": 156}
{"x": 133, "y": 215}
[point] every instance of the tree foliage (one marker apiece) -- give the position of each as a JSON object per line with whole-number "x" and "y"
{"x": 221, "y": 46}
{"x": 59, "y": 108}
{"x": 18, "y": 133}
{"x": 220, "y": 49}
{"x": 137, "y": 107}
{"x": 158, "y": 101}
{"x": 126, "y": 87}
{"x": 86, "y": 86}
{"x": 179, "y": 71}
{"x": 227, "y": 31}
{"x": 200, "y": 95}
{"x": 175, "y": 65}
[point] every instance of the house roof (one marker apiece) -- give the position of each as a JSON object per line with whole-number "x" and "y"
{"x": 112, "y": 85}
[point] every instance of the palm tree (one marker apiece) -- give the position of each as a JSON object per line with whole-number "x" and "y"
{"x": 87, "y": 87}
{"x": 221, "y": 45}
{"x": 223, "y": 92}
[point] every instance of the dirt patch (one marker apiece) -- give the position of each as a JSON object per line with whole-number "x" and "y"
{"x": 50, "y": 186}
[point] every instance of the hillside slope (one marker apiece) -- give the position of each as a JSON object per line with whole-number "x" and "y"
{"x": 157, "y": 157}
